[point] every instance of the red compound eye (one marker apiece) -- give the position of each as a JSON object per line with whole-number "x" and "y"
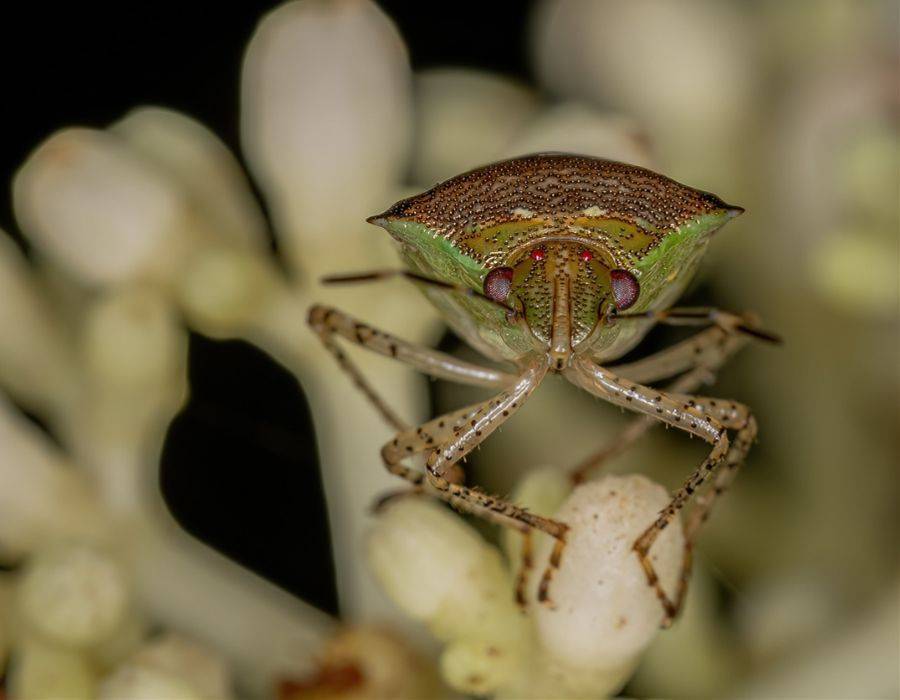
{"x": 625, "y": 288}
{"x": 497, "y": 283}
{"x": 586, "y": 255}
{"x": 538, "y": 254}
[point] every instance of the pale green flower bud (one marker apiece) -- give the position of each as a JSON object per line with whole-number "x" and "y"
{"x": 35, "y": 363}
{"x": 223, "y": 291}
{"x": 438, "y": 569}
{"x": 478, "y": 667}
{"x": 42, "y": 670}
{"x": 73, "y": 595}
{"x": 132, "y": 682}
{"x": 43, "y": 497}
{"x": 132, "y": 339}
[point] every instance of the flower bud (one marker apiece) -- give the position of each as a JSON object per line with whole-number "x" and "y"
{"x": 188, "y": 667}
{"x": 196, "y": 158}
{"x": 43, "y": 497}
{"x": 465, "y": 118}
{"x": 223, "y": 289}
{"x": 98, "y": 210}
{"x": 478, "y": 667}
{"x": 132, "y": 339}
{"x": 140, "y": 683}
{"x": 41, "y": 670}
{"x": 73, "y": 595}
{"x": 35, "y": 363}
{"x": 604, "y": 614}
{"x": 576, "y": 128}
{"x": 439, "y": 570}
{"x": 326, "y": 114}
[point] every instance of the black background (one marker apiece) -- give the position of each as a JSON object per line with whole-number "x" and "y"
{"x": 238, "y": 469}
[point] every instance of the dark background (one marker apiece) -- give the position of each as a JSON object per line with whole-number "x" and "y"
{"x": 237, "y": 470}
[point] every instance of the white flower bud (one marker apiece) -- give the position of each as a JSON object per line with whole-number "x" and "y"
{"x": 699, "y": 92}
{"x": 544, "y": 676}
{"x": 465, "y": 118}
{"x": 42, "y": 497}
{"x": 195, "y": 157}
{"x": 576, "y": 128}
{"x": 73, "y": 595}
{"x": 35, "y": 363}
{"x": 132, "y": 339}
{"x": 132, "y": 682}
{"x": 40, "y": 670}
{"x": 438, "y": 569}
{"x": 222, "y": 291}
{"x": 478, "y": 667}
{"x": 326, "y": 113}
{"x": 97, "y": 209}
{"x": 604, "y": 613}
{"x": 180, "y": 661}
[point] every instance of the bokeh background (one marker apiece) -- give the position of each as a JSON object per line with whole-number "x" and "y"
{"x": 789, "y": 109}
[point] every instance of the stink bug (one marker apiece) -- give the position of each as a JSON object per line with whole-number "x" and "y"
{"x": 560, "y": 263}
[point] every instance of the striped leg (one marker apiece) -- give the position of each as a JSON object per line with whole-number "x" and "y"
{"x": 699, "y": 357}
{"x": 448, "y": 439}
{"x": 330, "y": 324}
{"x": 688, "y": 414}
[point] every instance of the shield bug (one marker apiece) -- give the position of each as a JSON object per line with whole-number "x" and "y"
{"x": 560, "y": 263}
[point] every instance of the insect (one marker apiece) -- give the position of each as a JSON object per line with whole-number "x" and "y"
{"x": 560, "y": 263}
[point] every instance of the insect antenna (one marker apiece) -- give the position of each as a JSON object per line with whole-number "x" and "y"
{"x": 698, "y": 317}
{"x": 376, "y": 275}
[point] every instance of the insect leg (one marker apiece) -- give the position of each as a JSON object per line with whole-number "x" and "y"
{"x": 678, "y": 411}
{"x": 330, "y": 324}
{"x": 734, "y": 416}
{"x": 699, "y": 356}
{"x": 448, "y": 439}
{"x": 709, "y": 348}
{"x": 702, "y": 316}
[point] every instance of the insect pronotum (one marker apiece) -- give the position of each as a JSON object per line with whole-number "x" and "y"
{"x": 560, "y": 263}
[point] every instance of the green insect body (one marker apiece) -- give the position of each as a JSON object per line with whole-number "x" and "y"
{"x": 562, "y": 224}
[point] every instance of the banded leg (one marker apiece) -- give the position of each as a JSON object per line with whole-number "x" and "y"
{"x": 330, "y": 323}
{"x": 449, "y": 438}
{"x": 675, "y": 410}
{"x": 699, "y": 356}
{"x": 734, "y": 416}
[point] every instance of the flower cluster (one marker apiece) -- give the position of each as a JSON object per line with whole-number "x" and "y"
{"x": 147, "y": 228}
